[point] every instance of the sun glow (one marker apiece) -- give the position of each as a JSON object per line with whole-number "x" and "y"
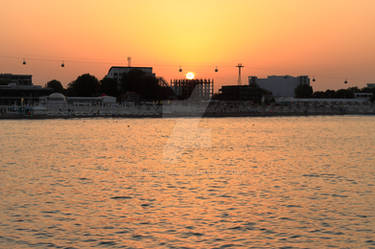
{"x": 190, "y": 75}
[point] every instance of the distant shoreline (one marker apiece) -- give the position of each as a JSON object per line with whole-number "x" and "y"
{"x": 188, "y": 109}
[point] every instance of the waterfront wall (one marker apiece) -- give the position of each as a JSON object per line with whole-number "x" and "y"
{"x": 185, "y": 108}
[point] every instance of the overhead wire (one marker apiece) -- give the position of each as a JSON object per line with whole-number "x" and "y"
{"x": 62, "y": 61}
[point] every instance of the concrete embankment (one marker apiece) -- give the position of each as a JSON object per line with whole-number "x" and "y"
{"x": 210, "y": 109}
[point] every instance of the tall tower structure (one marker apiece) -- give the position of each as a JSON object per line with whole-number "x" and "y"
{"x": 129, "y": 61}
{"x": 239, "y": 66}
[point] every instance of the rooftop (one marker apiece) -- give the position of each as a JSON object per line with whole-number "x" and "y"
{"x": 121, "y": 67}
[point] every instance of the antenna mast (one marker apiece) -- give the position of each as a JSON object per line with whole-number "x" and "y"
{"x": 240, "y": 66}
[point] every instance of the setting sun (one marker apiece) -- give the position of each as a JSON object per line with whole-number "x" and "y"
{"x": 190, "y": 75}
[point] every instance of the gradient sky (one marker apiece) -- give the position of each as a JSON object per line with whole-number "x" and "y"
{"x": 332, "y": 40}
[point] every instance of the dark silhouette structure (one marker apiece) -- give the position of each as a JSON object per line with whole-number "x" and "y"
{"x": 146, "y": 85}
{"x": 18, "y": 89}
{"x": 303, "y": 91}
{"x": 198, "y": 89}
{"x": 85, "y": 85}
{"x": 17, "y": 79}
{"x": 243, "y": 93}
{"x": 239, "y": 66}
{"x": 109, "y": 86}
{"x": 56, "y": 86}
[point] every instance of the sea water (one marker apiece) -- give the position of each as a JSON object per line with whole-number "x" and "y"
{"x": 280, "y": 182}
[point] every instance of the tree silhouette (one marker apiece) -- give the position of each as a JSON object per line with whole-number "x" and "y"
{"x": 145, "y": 85}
{"x": 109, "y": 87}
{"x": 341, "y": 93}
{"x": 303, "y": 91}
{"x": 56, "y": 86}
{"x": 344, "y": 94}
{"x": 85, "y": 85}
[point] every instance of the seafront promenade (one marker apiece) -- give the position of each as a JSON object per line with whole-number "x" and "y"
{"x": 189, "y": 109}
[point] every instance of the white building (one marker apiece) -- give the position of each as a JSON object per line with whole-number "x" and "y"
{"x": 280, "y": 86}
{"x": 58, "y": 101}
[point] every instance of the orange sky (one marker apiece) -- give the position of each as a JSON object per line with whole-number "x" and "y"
{"x": 332, "y": 40}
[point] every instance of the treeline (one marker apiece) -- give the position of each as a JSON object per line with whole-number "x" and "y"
{"x": 306, "y": 91}
{"x": 343, "y": 93}
{"x": 145, "y": 87}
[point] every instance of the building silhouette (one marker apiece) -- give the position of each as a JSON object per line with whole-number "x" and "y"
{"x": 280, "y": 86}
{"x": 18, "y": 89}
{"x": 17, "y": 79}
{"x": 116, "y": 72}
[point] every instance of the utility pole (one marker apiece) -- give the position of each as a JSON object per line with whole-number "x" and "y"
{"x": 240, "y": 66}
